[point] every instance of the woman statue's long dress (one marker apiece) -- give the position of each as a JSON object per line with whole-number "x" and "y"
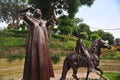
{"x": 38, "y": 65}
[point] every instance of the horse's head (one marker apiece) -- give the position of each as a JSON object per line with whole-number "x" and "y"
{"x": 97, "y": 45}
{"x": 103, "y": 44}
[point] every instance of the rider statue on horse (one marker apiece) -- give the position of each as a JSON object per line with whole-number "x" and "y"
{"x": 81, "y": 50}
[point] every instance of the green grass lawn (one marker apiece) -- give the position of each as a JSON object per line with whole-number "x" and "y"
{"x": 112, "y": 76}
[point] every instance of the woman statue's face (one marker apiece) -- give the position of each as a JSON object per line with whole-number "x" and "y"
{"x": 37, "y": 13}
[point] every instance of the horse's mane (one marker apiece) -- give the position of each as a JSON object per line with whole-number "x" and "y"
{"x": 95, "y": 47}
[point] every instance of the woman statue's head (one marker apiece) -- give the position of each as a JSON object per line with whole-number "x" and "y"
{"x": 37, "y": 13}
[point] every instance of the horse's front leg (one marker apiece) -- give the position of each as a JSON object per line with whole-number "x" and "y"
{"x": 101, "y": 72}
{"x": 88, "y": 72}
{"x": 90, "y": 68}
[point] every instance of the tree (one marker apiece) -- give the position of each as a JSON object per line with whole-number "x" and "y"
{"x": 66, "y": 30}
{"x": 85, "y": 35}
{"x": 99, "y": 32}
{"x": 65, "y": 21}
{"x": 105, "y": 36}
{"x": 84, "y": 28}
{"x": 78, "y": 21}
{"x": 66, "y": 24}
{"x": 117, "y": 41}
{"x": 109, "y": 37}
{"x": 70, "y": 6}
{"x": 94, "y": 36}
{"x": 9, "y": 10}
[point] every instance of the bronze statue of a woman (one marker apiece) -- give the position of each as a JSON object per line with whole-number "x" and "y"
{"x": 38, "y": 65}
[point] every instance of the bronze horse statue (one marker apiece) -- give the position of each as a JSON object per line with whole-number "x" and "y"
{"x": 75, "y": 61}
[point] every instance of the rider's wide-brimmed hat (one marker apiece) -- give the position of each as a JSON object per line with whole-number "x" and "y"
{"x": 80, "y": 35}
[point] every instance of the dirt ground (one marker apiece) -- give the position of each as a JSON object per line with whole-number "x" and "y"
{"x": 14, "y": 70}
{"x": 81, "y": 74}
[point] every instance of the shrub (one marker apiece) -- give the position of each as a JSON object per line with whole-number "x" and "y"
{"x": 64, "y": 54}
{"x": 12, "y": 57}
{"x": 118, "y": 49}
{"x": 15, "y": 33}
{"x": 13, "y": 41}
{"x": 88, "y": 44}
{"x": 1, "y": 53}
{"x": 112, "y": 55}
{"x": 61, "y": 37}
{"x": 73, "y": 39}
{"x": 85, "y": 35}
{"x": 69, "y": 46}
{"x": 4, "y": 33}
{"x": 55, "y": 57}
{"x": 94, "y": 36}
{"x": 66, "y": 30}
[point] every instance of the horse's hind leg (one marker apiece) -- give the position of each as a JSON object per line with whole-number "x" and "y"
{"x": 101, "y": 72}
{"x": 65, "y": 69}
{"x": 75, "y": 70}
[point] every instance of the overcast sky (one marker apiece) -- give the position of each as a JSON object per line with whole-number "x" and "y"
{"x": 103, "y": 14}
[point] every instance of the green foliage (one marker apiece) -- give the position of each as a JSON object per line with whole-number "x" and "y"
{"x": 55, "y": 57}
{"x": 118, "y": 49}
{"x": 9, "y": 10}
{"x": 112, "y": 55}
{"x": 55, "y": 30}
{"x": 78, "y": 21}
{"x": 4, "y": 33}
{"x": 68, "y": 26}
{"x": 105, "y": 36}
{"x": 75, "y": 31}
{"x": 87, "y": 43}
{"x": 15, "y": 33}
{"x": 13, "y": 57}
{"x": 117, "y": 41}
{"x": 1, "y": 55}
{"x": 68, "y": 46}
{"x": 13, "y": 41}
{"x": 54, "y": 44}
{"x": 7, "y": 39}
{"x": 66, "y": 30}
{"x": 64, "y": 54}
{"x": 94, "y": 36}
{"x": 61, "y": 37}
{"x": 71, "y": 6}
{"x": 19, "y": 33}
{"x": 85, "y": 35}
{"x": 65, "y": 21}
{"x": 23, "y": 25}
{"x": 72, "y": 38}
{"x": 112, "y": 76}
{"x": 64, "y": 38}
{"x": 109, "y": 37}
{"x": 87, "y": 2}
{"x": 84, "y": 28}
{"x": 69, "y": 43}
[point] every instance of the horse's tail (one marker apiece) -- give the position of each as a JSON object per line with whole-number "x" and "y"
{"x": 65, "y": 68}
{"x": 66, "y": 64}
